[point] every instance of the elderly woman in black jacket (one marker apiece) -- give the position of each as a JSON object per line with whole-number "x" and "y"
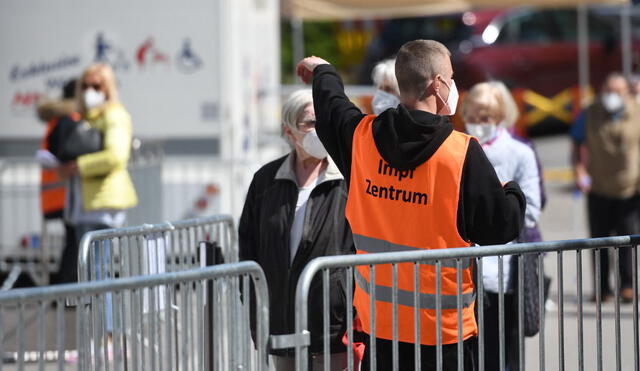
{"x": 294, "y": 212}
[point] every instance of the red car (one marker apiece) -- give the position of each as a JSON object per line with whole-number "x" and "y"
{"x": 529, "y": 48}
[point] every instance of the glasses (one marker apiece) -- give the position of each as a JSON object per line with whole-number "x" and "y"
{"x": 307, "y": 125}
{"x": 86, "y": 86}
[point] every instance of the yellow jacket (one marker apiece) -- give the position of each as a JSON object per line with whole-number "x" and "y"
{"x": 105, "y": 181}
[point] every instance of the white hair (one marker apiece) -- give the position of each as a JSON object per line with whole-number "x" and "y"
{"x": 293, "y": 110}
{"x": 384, "y": 75}
{"x": 509, "y": 106}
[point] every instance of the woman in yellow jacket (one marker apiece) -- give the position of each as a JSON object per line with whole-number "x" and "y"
{"x": 101, "y": 189}
{"x": 105, "y": 189}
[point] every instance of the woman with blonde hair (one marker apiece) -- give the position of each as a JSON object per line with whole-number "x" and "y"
{"x": 488, "y": 110}
{"x": 105, "y": 186}
{"x": 101, "y": 189}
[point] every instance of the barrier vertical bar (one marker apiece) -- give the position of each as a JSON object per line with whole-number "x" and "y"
{"x": 416, "y": 315}
{"x": 246, "y": 288}
{"x": 350, "y": 317}
{"x": 42, "y": 334}
{"x": 616, "y": 270}
{"x": 520, "y": 311}
{"x": 325, "y": 318}
{"x": 480, "y": 283}
{"x": 60, "y": 333}
{"x": 168, "y": 310}
{"x": 580, "y": 311}
{"x": 1, "y": 330}
{"x": 200, "y": 290}
{"x": 598, "y": 312}
{"x": 636, "y": 334}
{"x": 501, "y": 311}
{"x": 98, "y": 325}
{"x": 117, "y": 330}
{"x": 560, "y": 312}
{"x": 438, "y": 316}
{"x": 459, "y": 313}
{"x": 541, "y": 300}
{"x": 394, "y": 316}
{"x": 372, "y": 309}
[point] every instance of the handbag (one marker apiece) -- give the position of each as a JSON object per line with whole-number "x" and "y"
{"x": 80, "y": 139}
{"x": 531, "y": 297}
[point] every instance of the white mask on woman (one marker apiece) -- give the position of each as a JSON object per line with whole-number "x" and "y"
{"x": 484, "y": 132}
{"x": 312, "y": 145}
{"x": 382, "y": 101}
{"x": 93, "y": 98}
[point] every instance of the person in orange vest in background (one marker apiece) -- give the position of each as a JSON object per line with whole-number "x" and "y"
{"x": 414, "y": 183}
{"x": 58, "y": 115}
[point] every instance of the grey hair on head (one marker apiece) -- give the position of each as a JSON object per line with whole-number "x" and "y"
{"x": 293, "y": 110}
{"x": 384, "y": 76}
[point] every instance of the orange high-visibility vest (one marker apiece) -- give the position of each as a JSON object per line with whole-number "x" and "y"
{"x": 51, "y": 186}
{"x": 391, "y": 210}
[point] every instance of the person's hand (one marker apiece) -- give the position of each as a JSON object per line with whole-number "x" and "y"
{"x": 582, "y": 178}
{"x": 305, "y": 67}
{"x": 68, "y": 169}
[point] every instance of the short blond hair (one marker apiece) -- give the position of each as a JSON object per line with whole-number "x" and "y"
{"x": 495, "y": 98}
{"x": 108, "y": 79}
{"x": 417, "y": 63}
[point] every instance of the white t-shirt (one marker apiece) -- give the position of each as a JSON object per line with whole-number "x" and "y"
{"x": 298, "y": 219}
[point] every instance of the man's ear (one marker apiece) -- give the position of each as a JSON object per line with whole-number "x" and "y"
{"x": 437, "y": 83}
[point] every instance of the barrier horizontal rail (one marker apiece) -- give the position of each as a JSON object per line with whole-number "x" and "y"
{"x": 157, "y": 326}
{"x": 156, "y": 248}
{"x": 438, "y": 258}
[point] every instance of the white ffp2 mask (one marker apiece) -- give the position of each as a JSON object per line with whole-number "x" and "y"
{"x": 484, "y": 132}
{"x": 93, "y": 98}
{"x": 382, "y": 101}
{"x": 312, "y": 145}
{"x": 452, "y": 99}
{"x": 612, "y": 102}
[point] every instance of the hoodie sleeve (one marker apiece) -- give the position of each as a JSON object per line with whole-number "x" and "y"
{"x": 488, "y": 213}
{"x": 336, "y": 116}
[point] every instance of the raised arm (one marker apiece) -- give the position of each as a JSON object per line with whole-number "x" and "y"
{"x": 336, "y": 116}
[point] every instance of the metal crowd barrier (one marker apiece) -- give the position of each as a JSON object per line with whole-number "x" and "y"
{"x": 27, "y": 241}
{"x": 588, "y": 351}
{"x": 160, "y": 323}
{"x": 157, "y": 248}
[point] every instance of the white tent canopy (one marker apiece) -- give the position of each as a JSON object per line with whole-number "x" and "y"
{"x": 379, "y": 9}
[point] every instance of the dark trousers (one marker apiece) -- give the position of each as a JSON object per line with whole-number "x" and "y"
{"x": 384, "y": 356}
{"x": 610, "y": 216}
{"x": 68, "y": 270}
{"x": 492, "y": 332}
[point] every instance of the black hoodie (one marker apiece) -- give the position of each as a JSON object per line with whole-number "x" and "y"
{"x": 488, "y": 213}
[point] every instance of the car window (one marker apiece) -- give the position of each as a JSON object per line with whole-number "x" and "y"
{"x": 528, "y": 28}
{"x": 599, "y": 28}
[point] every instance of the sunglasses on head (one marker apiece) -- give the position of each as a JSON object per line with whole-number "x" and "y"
{"x": 86, "y": 86}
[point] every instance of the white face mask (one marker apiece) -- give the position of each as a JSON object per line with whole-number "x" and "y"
{"x": 452, "y": 99}
{"x": 93, "y": 98}
{"x": 383, "y": 101}
{"x": 484, "y": 132}
{"x": 612, "y": 102}
{"x": 312, "y": 145}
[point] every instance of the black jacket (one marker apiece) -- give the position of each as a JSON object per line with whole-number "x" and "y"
{"x": 264, "y": 235}
{"x": 488, "y": 213}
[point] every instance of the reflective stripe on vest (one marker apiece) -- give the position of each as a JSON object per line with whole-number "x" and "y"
{"x": 404, "y": 210}
{"x": 405, "y": 297}
{"x": 375, "y": 245}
